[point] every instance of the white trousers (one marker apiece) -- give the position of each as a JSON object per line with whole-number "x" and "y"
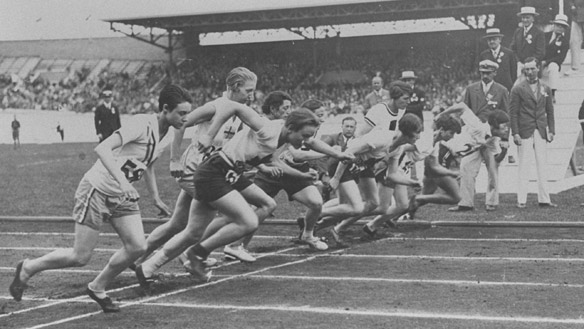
{"x": 535, "y": 144}
{"x": 551, "y": 75}
{"x": 469, "y": 170}
{"x": 576, "y": 44}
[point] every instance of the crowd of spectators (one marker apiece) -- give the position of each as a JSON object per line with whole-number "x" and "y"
{"x": 442, "y": 73}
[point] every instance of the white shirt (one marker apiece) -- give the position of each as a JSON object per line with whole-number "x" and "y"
{"x": 141, "y": 145}
{"x": 250, "y": 146}
{"x": 381, "y": 116}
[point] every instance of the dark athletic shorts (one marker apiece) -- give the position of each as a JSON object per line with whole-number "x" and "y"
{"x": 216, "y": 177}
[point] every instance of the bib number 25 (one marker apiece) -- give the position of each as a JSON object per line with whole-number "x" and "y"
{"x": 133, "y": 170}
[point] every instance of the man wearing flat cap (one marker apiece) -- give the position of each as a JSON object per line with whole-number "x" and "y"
{"x": 528, "y": 40}
{"x": 107, "y": 116}
{"x": 504, "y": 57}
{"x": 557, "y": 45}
{"x": 483, "y": 98}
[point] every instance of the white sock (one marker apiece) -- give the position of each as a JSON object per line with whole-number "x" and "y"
{"x": 154, "y": 263}
{"x": 99, "y": 294}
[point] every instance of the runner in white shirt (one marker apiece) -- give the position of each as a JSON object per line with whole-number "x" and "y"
{"x": 440, "y": 181}
{"x": 387, "y": 114}
{"x": 241, "y": 84}
{"x": 368, "y": 150}
{"x": 106, "y": 194}
{"x": 219, "y": 185}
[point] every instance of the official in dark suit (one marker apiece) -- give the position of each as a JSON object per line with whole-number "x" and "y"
{"x": 504, "y": 57}
{"x": 532, "y": 125}
{"x": 340, "y": 140}
{"x": 107, "y": 116}
{"x": 417, "y": 103}
{"x": 528, "y": 40}
{"x": 483, "y": 98}
{"x": 557, "y": 45}
{"x": 378, "y": 94}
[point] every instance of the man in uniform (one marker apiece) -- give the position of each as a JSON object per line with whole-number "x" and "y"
{"x": 107, "y": 117}
{"x": 417, "y": 103}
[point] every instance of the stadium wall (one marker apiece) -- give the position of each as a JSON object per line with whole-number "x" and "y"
{"x": 92, "y": 48}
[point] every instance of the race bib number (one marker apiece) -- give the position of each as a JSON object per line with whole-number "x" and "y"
{"x": 133, "y": 170}
{"x": 231, "y": 176}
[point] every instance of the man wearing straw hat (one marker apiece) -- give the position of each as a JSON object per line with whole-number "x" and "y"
{"x": 504, "y": 57}
{"x": 417, "y": 103}
{"x": 557, "y": 44}
{"x": 528, "y": 40}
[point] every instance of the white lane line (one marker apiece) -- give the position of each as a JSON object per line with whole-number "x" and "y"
{"x": 29, "y": 164}
{"x": 81, "y": 297}
{"x": 292, "y": 237}
{"x": 115, "y": 235}
{"x": 146, "y": 300}
{"x": 381, "y": 313}
{"x": 463, "y": 258}
{"x": 444, "y": 282}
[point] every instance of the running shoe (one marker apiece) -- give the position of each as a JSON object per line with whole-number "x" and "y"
{"x": 314, "y": 243}
{"x": 17, "y": 287}
{"x": 107, "y": 305}
{"x": 238, "y": 253}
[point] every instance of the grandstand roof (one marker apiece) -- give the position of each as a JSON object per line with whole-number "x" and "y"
{"x": 223, "y": 15}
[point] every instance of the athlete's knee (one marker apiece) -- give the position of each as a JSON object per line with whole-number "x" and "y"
{"x": 80, "y": 259}
{"x": 136, "y": 249}
{"x": 250, "y": 224}
{"x": 314, "y": 204}
{"x": 357, "y": 209}
{"x": 370, "y": 205}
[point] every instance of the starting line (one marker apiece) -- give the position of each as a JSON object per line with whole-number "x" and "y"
{"x": 280, "y": 221}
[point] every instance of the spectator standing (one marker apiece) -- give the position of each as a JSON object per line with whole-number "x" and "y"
{"x": 417, "y": 103}
{"x": 532, "y": 125}
{"x": 61, "y": 131}
{"x": 576, "y": 35}
{"x": 378, "y": 94}
{"x": 528, "y": 40}
{"x": 15, "y": 132}
{"x": 504, "y": 57}
{"x": 483, "y": 98}
{"x": 107, "y": 116}
{"x": 557, "y": 44}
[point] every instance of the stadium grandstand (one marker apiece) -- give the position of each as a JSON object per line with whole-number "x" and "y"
{"x": 68, "y": 74}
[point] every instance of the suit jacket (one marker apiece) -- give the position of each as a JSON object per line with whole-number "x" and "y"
{"x": 529, "y": 112}
{"x": 107, "y": 120}
{"x": 556, "y": 51}
{"x": 531, "y": 45}
{"x": 372, "y": 98}
{"x": 497, "y": 97}
{"x": 333, "y": 140}
{"x": 507, "y": 72}
{"x": 417, "y": 103}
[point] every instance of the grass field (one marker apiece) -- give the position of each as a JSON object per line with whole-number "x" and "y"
{"x": 479, "y": 273}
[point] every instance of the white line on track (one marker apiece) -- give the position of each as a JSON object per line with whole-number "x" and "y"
{"x": 445, "y": 282}
{"x": 83, "y": 297}
{"x": 115, "y": 235}
{"x": 173, "y": 292}
{"x": 30, "y": 164}
{"x": 465, "y": 258}
{"x": 382, "y": 313}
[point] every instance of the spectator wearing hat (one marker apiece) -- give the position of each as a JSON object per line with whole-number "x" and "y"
{"x": 107, "y": 116}
{"x": 417, "y": 103}
{"x": 504, "y": 57}
{"x": 533, "y": 126}
{"x": 483, "y": 98}
{"x": 378, "y": 94}
{"x": 557, "y": 44}
{"x": 528, "y": 40}
{"x": 576, "y": 35}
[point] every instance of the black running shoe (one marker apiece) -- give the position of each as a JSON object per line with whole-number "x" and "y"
{"x": 17, "y": 287}
{"x": 107, "y": 305}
